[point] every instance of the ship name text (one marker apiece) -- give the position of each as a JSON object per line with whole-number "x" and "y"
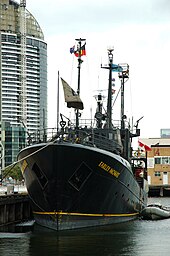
{"x": 108, "y": 169}
{"x": 24, "y": 166}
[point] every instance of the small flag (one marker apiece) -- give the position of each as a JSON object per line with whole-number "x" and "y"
{"x": 80, "y": 52}
{"x": 142, "y": 145}
{"x": 72, "y": 49}
{"x": 116, "y": 68}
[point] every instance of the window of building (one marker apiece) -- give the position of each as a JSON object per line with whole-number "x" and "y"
{"x": 165, "y": 160}
{"x": 157, "y": 174}
{"x": 158, "y": 160}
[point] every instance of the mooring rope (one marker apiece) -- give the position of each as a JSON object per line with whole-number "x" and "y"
{"x": 11, "y": 166}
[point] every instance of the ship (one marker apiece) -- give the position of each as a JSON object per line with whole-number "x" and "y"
{"x": 84, "y": 174}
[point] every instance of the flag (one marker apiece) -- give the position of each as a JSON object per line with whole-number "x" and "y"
{"x": 73, "y": 100}
{"x": 142, "y": 145}
{"x": 80, "y": 52}
{"x": 72, "y": 49}
{"x": 116, "y": 68}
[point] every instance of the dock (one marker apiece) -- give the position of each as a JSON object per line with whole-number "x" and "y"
{"x": 159, "y": 190}
{"x": 14, "y": 206}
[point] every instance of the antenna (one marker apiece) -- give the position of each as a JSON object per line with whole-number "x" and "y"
{"x": 23, "y": 60}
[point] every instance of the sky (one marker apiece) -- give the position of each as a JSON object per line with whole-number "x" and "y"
{"x": 139, "y": 31}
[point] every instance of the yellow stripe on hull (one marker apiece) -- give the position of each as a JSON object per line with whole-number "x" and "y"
{"x": 88, "y": 214}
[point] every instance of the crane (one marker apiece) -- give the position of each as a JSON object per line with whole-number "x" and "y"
{"x": 23, "y": 61}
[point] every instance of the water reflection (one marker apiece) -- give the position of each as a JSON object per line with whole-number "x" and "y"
{"x": 136, "y": 238}
{"x": 99, "y": 241}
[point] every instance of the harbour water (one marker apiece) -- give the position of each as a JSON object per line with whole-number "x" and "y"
{"x": 138, "y": 238}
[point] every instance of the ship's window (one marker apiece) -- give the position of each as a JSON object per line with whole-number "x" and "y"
{"x": 40, "y": 175}
{"x": 80, "y": 176}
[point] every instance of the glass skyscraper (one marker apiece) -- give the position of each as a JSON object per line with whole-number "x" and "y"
{"x": 16, "y": 99}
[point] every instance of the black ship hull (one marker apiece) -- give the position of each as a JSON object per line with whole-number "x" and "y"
{"x": 75, "y": 186}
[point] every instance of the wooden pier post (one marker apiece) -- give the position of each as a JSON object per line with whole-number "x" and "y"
{"x": 14, "y": 208}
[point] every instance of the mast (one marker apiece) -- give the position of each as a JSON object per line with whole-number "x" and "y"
{"x": 109, "y": 102}
{"x": 23, "y": 60}
{"x": 80, "y": 61}
{"x": 124, "y": 74}
{"x": 125, "y": 132}
{"x": 122, "y": 103}
{"x": 58, "y": 97}
{"x": 109, "y": 98}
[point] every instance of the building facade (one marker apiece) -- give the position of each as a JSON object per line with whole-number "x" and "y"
{"x": 15, "y": 138}
{"x": 165, "y": 133}
{"x": 158, "y": 163}
{"x": 23, "y": 69}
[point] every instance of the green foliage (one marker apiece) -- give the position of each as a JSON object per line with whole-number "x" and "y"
{"x": 14, "y": 172}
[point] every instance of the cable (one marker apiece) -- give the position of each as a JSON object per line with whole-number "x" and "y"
{"x": 11, "y": 166}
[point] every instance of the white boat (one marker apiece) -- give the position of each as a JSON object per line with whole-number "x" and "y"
{"x": 155, "y": 212}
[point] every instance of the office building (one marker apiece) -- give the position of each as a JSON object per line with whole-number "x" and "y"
{"x": 23, "y": 69}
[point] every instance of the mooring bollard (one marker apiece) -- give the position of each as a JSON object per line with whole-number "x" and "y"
{"x": 10, "y": 189}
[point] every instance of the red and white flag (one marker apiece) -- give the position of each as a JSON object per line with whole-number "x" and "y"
{"x": 142, "y": 145}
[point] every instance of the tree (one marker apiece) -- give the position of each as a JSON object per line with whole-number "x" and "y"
{"x": 12, "y": 171}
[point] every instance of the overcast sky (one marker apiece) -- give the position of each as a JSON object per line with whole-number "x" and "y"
{"x": 139, "y": 30}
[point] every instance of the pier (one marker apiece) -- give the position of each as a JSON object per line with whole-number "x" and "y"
{"x": 14, "y": 206}
{"x": 159, "y": 190}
